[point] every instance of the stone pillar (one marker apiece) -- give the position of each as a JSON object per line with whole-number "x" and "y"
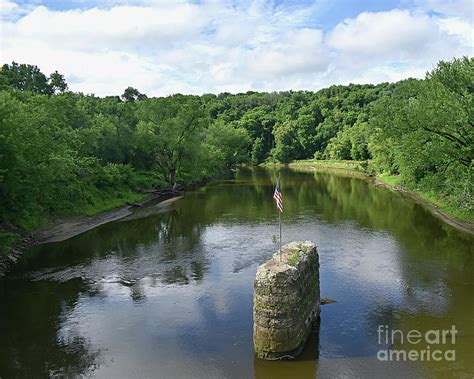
{"x": 286, "y": 301}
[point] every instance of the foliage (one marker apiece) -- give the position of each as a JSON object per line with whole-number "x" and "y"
{"x": 287, "y": 146}
{"x": 29, "y": 78}
{"x": 64, "y": 153}
{"x": 424, "y": 131}
{"x": 132, "y": 94}
{"x": 169, "y": 131}
{"x": 7, "y": 241}
{"x": 233, "y": 144}
{"x": 294, "y": 258}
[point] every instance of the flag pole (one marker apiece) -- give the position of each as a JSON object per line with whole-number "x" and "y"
{"x": 279, "y": 216}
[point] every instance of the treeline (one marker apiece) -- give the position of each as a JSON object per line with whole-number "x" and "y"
{"x": 64, "y": 153}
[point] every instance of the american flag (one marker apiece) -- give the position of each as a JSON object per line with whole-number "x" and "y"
{"x": 277, "y": 196}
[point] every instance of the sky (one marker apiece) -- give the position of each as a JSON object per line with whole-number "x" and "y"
{"x": 208, "y": 46}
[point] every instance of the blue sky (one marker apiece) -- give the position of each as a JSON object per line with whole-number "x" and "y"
{"x": 164, "y": 47}
{"x": 331, "y": 12}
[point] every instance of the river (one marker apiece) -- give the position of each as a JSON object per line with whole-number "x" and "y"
{"x": 167, "y": 291}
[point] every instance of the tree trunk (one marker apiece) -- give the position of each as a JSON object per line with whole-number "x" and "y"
{"x": 172, "y": 179}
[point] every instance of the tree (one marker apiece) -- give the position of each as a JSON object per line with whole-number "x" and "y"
{"x": 259, "y": 123}
{"x": 169, "y": 130}
{"x": 132, "y": 94}
{"x": 57, "y": 82}
{"x": 339, "y": 147}
{"x": 26, "y": 77}
{"x": 233, "y": 143}
{"x": 445, "y": 108}
{"x": 424, "y": 130}
{"x": 258, "y": 150}
{"x": 287, "y": 146}
{"x": 62, "y": 152}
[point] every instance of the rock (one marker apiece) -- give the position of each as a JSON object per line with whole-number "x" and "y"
{"x": 327, "y": 301}
{"x": 286, "y": 301}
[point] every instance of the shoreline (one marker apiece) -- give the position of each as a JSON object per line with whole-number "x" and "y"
{"x": 458, "y": 224}
{"x": 435, "y": 210}
{"x": 63, "y": 229}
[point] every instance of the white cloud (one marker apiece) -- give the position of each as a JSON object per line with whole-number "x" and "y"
{"x": 393, "y": 45}
{"x": 451, "y": 8}
{"x": 11, "y": 10}
{"x": 459, "y": 28}
{"x": 270, "y": 65}
{"x": 121, "y": 28}
{"x": 396, "y": 34}
{"x": 297, "y": 51}
{"x": 7, "y": 6}
{"x": 8, "y": 9}
{"x": 168, "y": 47}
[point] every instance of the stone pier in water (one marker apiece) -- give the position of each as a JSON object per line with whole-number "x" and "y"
{"x": 286, "y": 301}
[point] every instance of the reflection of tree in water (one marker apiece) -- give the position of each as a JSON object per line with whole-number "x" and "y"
{"x": 435, "y": 261}
{"x": 29, "y": 325}
{"x": 157, "y": 244}
{"x": 180, "y": 234}
{"x": 138, "y": 292}
{"x": 165, "y": 246}
{"x": 168, "y": 248}
{"x": 416, "y": 313}
{"x": 175, "y": 275}
{"x": 437, "y": 272}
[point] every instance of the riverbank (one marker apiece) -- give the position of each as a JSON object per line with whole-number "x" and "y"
{"x": 457, "y": 218}
{"x": 15, "y": 241}
{"x": 447, "y": 213}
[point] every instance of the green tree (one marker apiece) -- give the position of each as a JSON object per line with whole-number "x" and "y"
{"x": 424, "y": 131}
{"x": 132, "y": 94}
{"x": 57, "y": 82}
{"x": 258, "y": 150}
{"x": 168, "y": 130}
{"x": 26, "y": 77}
{"x": 339, "y": 147}
{"x": 445, "y": 108}
{"x": 233, "y": 143}
{"x": 287, "y": 146}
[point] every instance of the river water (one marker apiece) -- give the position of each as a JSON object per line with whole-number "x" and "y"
{"x": 167, "y": 292}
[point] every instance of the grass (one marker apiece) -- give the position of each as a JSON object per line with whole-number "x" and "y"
{"x": 433, "y": 198}
{"x": 7, "y": 241}
{"x": 92, "y": 201}
{"x": 98, "y": 201}
{"x": 310, "y": 163}
{"x": 450, "y": 210}
{"x": 391, "y": 180}
{"x": 353, "y": 165}
{"x": 107, "y": 203}
{"x": 356, "y": 168}
{"x": 294, "y": 258}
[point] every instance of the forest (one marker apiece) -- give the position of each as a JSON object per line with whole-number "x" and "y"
{"x": 64, "y": 153}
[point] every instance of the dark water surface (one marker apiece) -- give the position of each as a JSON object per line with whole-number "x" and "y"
{"x": 167, "y": 292}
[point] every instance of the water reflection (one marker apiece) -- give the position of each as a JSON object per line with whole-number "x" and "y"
{"x": 303, "y": 367}
{"x": 31, "y": 316}
{"x": 168, "y": 290}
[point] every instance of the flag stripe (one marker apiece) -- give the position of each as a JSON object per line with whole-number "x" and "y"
{"x": 277, "y": 196}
